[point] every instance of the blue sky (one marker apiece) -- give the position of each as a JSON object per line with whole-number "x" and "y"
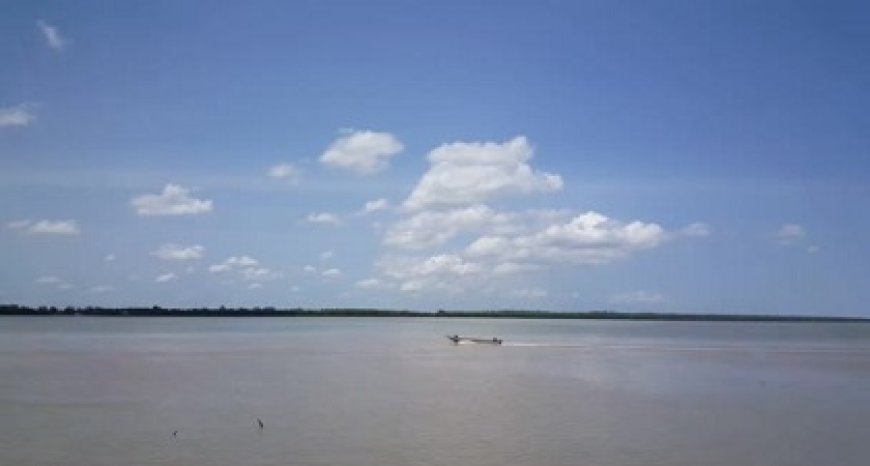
{"x": 685, "y": 156}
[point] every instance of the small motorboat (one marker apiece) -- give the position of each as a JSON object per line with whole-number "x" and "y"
{"x": 456, "y": 339}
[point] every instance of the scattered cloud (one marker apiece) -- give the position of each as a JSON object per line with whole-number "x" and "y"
{"x": 55, "y": 282}
{"x": 432, "y": 227}
{"x": 637, "y": 297}
{"x": 323, "y": 218}
{"x": 109, "y": 258}
{"x": 589, "y": 238}
{"x": 166, "y": 277}
{"x": 369, "y": 283}
{"x": 52, "y": 35}
{"x": 174, "y": 252}
{"x": 246, "y": 268}
{"x": 789, "y": 234}
{"x": 696, "y": 229}
{"x": 465, "y": 173}
{"x": 331, "y": 273}
{"x": 362, "y": 152}
{"x": 326, "y": 255}
{"x": 287, "y": 172}
{"x": 174, "y": 200}
{"x": 18, "y": 115}
{"x": 100, "y": 289}
{"x": 309, "y": 269}
{"x": 374, "y": 206}
{"x": 46, "y": 227}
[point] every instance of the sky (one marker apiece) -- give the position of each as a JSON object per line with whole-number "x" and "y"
{"x": 670, "y": 156}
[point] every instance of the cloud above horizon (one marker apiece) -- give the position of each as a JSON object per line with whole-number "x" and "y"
{"x": 52, "y": 36}
{"x": 17, "y": 115}
{"x": 362, "y": 152}
{"x": 173, "y": 200}
{"x": 463, "y": 173}
{"x": 174, "y": 252}
{"x": 46, "y": 227}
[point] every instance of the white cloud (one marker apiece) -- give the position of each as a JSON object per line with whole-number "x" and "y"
{"x": 369, "y": 283}
{"x": 466, "y": 173}
{"x": 363, "y": 152}
{"x": 696, "y": 229}
{"x": 246, "y": 268}
{"x": 109, "y": 258}
{"x": 52, "y": 35}
{"x": 57, "y": 283}
{"x": 589, "y": 238}
{"x": 789, "y": 233}
{"x": 19, "y": 115}
{"x": 510, "y": 244}
{"x": 286, "y": 171}
{"x": 309, "y": 269}
{"x": 255, "y": 286}
{"x": 46, "y": 227}
{"x": 374, "y": 206}
{"x": 637, "y": 297}
{"x": 433, "y": 228}
{"x": 445, "y": 272}
{"x": 174, "y": 252}
{"x": 323, "y": 218}
{"x": 326, "y": 255}
{"x": 166, "y": 277}
{"x": 331, "y": 273}
{"x": 174, "y": 200}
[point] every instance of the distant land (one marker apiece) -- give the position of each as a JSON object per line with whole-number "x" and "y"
{"x": 157, "y": 311}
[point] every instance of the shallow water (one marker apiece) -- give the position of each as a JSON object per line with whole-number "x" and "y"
{"x": 383, "y": 391}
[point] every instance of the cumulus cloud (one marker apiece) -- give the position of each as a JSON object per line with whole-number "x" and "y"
{"x": 363, "y": 152}
{"x": 245, "y": 267}
{"x": 286, "y": 171}
{"x": 331, "y": 273}
{"x": 374, "y": 206}
{"x": 174, "y": 252}
{"x": 432, "y": 228}
{"x": 174, "y": 200}
{"x": 166, "y": 277}
{"x": 18, "y": 115}
{"x": 46, "y": 227}
{"x": 789, "y": 233}
{"x": 446, "y": 272}
{"x": 464, "y": 173}
{"x": 327, "y": 255}
{"x": 52, "y": 35}
{"x": 519, "y": 243}
{"x": 323, "y": 218}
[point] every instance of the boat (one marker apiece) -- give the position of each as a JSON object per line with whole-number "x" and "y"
{"x": 456, "y": 339}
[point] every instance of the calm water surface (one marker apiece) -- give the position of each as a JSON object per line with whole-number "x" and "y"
{"x": 384, "y": 392}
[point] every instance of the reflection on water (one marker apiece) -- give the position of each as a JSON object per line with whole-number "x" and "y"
{"x": 343, "y": 391}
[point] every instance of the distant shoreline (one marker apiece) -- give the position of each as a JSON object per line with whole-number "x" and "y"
{"x": 156, "y": 311}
